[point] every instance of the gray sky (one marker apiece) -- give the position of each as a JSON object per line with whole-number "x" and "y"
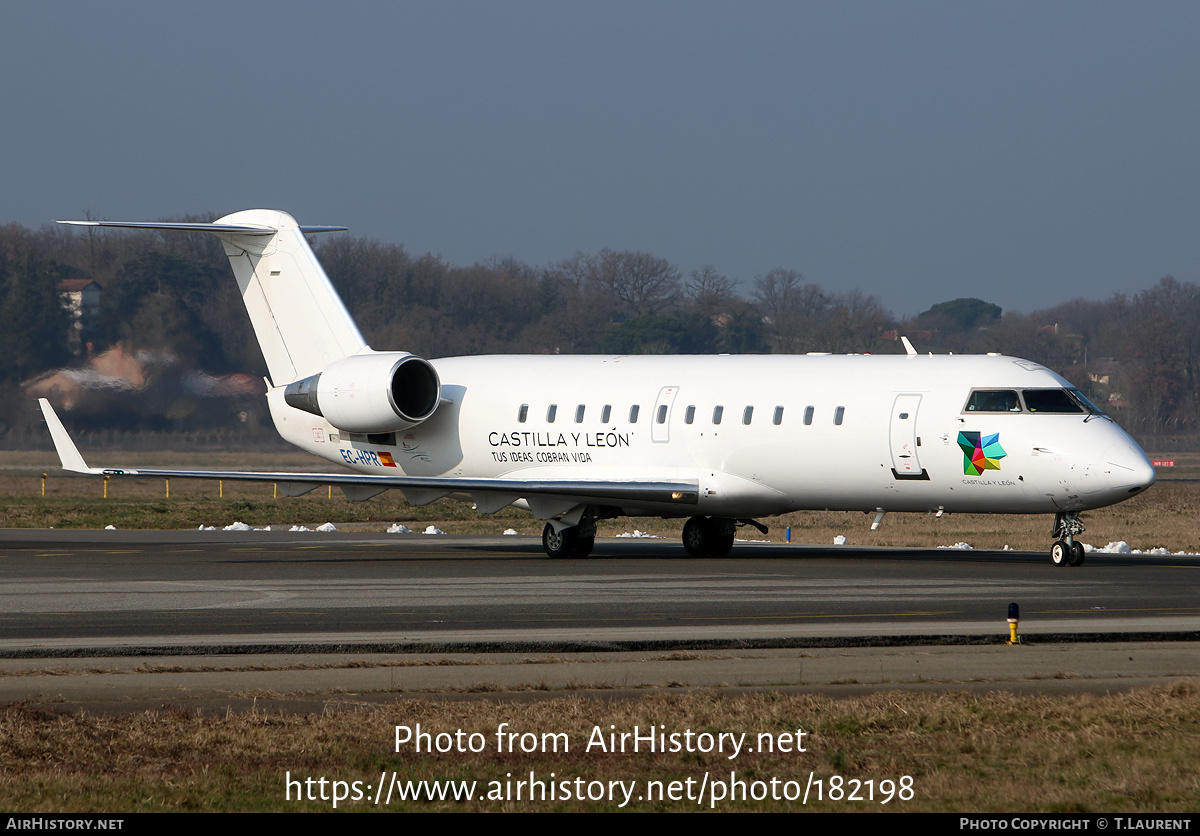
{"x": 1024, "y": 153}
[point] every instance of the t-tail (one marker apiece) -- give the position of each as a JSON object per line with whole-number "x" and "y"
{"x": 312, "y": 346}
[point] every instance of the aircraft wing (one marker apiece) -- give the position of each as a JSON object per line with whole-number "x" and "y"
{"x": 490, "y": 494}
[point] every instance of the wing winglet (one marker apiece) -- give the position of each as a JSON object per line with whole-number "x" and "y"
{"x": 68, "y": 453}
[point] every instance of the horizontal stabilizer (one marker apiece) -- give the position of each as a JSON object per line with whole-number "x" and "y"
{"x": 240, "y": 229}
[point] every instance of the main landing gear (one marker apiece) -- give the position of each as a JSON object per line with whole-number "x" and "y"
{"x": 570, "y": 541}
{"x": 1066, "y": 551}
{"x": 713, "y": 536}
{"x": 708, "y": 536}
{"x": 702, "y": 536}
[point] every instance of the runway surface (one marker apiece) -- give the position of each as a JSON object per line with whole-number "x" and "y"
{"x": 116, "y": 621}
{"x": 114, "y": 589}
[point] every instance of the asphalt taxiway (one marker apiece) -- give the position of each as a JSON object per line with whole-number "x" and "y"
{"x": 439, "y": 613}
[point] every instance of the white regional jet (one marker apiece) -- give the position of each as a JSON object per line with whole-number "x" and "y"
{"x": 719, "y": 440}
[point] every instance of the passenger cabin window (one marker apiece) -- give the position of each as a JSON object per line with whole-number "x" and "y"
{"x": 778, "y": 415}
{"x": 718, "y": 411}
{"x": 689, "y": 415}
{"x": 1051, "y": 400}
{"x": 748, "y": 415}
{"x": 551, "y": 412}
{"x": 838, "y": 415}
{"x": 605, "y": 413}
{"x": 994, "y": 400}
{"x": 579, "y": 414}
{"x": 523, "y": 413}
{"x": 808, "y": 416}
{"x": 662, "y": 414}
{"x": 633, "y": 413}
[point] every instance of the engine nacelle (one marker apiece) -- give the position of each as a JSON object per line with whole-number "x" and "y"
{"x": 370, "y": 393}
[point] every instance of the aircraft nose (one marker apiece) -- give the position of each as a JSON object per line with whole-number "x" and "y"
{"x": 1128, "y": 468}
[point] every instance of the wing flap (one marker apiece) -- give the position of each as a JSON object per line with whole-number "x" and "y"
{"x": 360, "y": 493}
{"x": 681, "y": 493}
{"x": 419, "y": 490}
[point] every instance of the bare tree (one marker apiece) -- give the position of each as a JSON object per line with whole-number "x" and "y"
{"x": 708, "y": 289}
{"x": 641, "y": 283}
{"x": 795, "y": 311}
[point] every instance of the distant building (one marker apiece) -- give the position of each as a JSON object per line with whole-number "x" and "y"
{"x": 81, "y": 299}
{"x": 1103, "y": 371}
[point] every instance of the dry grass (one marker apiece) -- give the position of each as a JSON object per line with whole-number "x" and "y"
{"x": 990, "y": 753}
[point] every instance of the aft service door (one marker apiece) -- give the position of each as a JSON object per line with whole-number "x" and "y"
{"x": 906, "y": 463}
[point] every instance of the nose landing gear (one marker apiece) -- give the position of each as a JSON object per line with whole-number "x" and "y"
{"x": 1066, "y": 551}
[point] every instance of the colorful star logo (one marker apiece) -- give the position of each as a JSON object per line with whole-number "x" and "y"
{"x": 980, "y": 452}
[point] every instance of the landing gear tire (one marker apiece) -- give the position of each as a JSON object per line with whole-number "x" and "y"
{"x": 698, "y": 535}
{"x": 707, "y": 537}
{"x": 1066, "y": 551}
{"x": 562, "y": 543}
{"x": 1060, "y": 553}
{"x": 722, "y": 545}
{"x": 1077, "y": 553}
{"x": 583, "y": 546}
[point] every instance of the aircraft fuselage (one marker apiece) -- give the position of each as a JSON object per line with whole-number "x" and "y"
{"x": 759, "y": 435}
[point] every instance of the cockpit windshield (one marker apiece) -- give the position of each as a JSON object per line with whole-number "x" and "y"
{"x": 1051, "y": 400}
{"x": 994, "y": 400}
{"x": 1046, "y": 401}
{"x": 1085, "y": 402}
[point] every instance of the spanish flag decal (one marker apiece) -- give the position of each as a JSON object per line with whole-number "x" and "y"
{"x": 387, "y": 459}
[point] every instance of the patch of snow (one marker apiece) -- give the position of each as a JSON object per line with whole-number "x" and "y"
{"x": 299, "y": 528}
{"x": 110, "y": 528}
{"x": 962, "y": 546}
{"x": 510, "y": 531}
{"x": 840, "y": 540}
{"x": 327, "y": 527}
{"x": 433, "y": 529}
{"x": 637, "y": 533}
{"x": 398, "y": 528}
{"x": 237, "y": 526}
{"x": 207, "y": 528}
{"x": 1121, "y": 547}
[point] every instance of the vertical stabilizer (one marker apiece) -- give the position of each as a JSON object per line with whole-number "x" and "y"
{"x": 299, "y": 319}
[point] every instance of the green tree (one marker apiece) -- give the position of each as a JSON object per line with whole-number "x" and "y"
{"x": 35, "y": 324}
{"x": 687, "y": 333}
{"x": 965, "y": 314}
